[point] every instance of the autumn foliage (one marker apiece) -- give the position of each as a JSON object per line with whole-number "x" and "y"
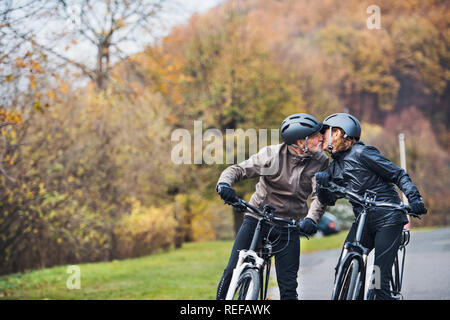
{"x": 86, "y": 173}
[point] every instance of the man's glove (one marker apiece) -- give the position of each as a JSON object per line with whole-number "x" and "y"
{"x": 308, "y": 226}
{"x": 322, "y": 178}
{"x": 226, "y": 192}
{"x": 418, "y": 207}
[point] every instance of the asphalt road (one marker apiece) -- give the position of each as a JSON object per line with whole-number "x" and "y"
{"x": 426, "y": 277}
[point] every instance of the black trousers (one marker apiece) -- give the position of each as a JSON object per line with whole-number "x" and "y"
{"x": 287, "y": 261}
{"x": 385, "y": 239}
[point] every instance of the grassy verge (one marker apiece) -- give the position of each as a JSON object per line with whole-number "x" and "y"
{"x": 188, "y": 273}
{"x": 191, "y": 272}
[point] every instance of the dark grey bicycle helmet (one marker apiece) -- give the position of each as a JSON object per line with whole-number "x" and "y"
{"x": 299, "y": 126}
{"x": 344, "y": 121}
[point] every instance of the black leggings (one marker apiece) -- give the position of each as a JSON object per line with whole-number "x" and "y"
{"x": 386, "y": 241}
{"x": 287, "y": 261}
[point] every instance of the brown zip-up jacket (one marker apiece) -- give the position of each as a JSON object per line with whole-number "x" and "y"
{"x": 285, "y": 180}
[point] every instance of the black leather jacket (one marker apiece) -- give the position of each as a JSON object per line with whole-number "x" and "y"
{"x": 364, "y": 168}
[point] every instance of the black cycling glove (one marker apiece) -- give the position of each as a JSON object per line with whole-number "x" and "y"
{"x": 418, "y": 207}
{"x": 322, "y": 178}
{"x": 308, "y": 226}
{"x": 226, "y": 192}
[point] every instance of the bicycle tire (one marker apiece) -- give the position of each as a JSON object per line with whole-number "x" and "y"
{"x": 337, "y": 289}
{"x": 338, "y": 280}
{"x": 248, "y": 285}
{"x": 395, "y": 275}
{"x": 346, "y": 281}
{"x": 354, "y": 278}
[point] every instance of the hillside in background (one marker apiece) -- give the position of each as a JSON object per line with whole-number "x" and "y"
{"x": 326, "y": 54}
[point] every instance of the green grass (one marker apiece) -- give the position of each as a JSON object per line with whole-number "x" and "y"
{"x": 191, "y": 272}
{"x": 323, "y": 243}
{"x": 188, "y": 273}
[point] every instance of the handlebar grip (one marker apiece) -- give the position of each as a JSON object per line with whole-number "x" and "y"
{"x": 300, "y": 230}
{"x": 239, "y": 203}
{"x": 415, "y": 215}
{"x": 302, "y": 233}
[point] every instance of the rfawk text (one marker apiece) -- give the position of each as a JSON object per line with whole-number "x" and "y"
{"x": 235, "y": 309}
{"x": 242, "y": 309}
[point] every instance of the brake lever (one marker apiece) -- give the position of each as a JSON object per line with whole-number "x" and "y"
{"x": 415, "y": 215}
{"x": 301, "y": 232}
{"x": 412, "y": 214}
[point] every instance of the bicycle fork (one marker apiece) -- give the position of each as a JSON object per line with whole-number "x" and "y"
{"x": 356, "y": 243}
{"x": 240, "y": 267}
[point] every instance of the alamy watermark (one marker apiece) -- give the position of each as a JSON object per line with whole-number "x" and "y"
{"x": 73, "y": 20}
{"x": 374, "y": 20}
{"x": 375, "y": 279}
{"x": 74, "y": 280}
{"x": 212, "y": 147}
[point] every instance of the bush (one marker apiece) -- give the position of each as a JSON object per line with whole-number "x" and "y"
{"x": 201, "y": 219}
{"x": 144, "y": 230}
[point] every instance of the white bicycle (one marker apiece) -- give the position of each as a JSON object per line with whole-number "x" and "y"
{"x": 248, "y": 280}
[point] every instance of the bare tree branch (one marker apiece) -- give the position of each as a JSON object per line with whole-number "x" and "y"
{"x": 107, "y": 28}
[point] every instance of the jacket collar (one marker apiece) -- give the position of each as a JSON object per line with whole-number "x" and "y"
{"x": 341, "y": 154}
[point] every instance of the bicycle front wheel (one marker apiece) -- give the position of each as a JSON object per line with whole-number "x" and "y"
{"x": 349, "y": 282}
{"x": 248, "y": 285}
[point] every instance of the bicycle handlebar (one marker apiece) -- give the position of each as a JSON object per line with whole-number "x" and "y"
{"x": 266, "y": 214}
{"x": 368, "y": 199}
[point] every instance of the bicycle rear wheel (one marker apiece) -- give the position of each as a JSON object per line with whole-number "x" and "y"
{"x": 349, "y": 281}
{"x": 248, "y": 285}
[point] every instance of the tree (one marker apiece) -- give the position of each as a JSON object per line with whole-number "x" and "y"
{"x": 427, "y": 163}
{"x": 104, "y": 31}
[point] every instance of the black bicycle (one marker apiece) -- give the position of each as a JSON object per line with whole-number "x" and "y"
{"x": 351, "y": 272}
{"x": 251, "y": 275}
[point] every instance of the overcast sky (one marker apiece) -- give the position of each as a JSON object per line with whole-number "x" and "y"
{"x": 44, "y": 28}
{"x": 168, "y": 21}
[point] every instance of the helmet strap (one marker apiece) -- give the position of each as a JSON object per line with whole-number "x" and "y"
{"x": 305, "y": 149}
{"x": 330, "y": 146}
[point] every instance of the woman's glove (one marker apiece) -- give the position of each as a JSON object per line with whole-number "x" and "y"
{"x": 324, "y": 196}
{"x": 418, "y": 207}
{"x": 322, "y": 178}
